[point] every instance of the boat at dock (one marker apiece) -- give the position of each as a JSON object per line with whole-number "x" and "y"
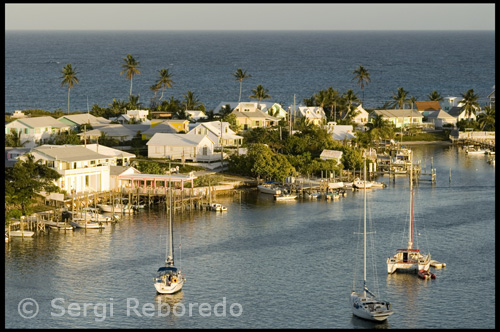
{"x": 285, "y": 197}
{"x": 59, "y": 225}
{"x": 21, "y": 233}
{"x": 378, "y": 184}
{"x": 437, "y": 265}
{"x": 269, "y": 188}
{"x": 86, "y": 224}
{"x": 475, "y": 151}
{"x": 335, "y": 185}
{"x": 218, "y": 207}
{"x": 362, "y": 184}
{"x": 117, "y": 208}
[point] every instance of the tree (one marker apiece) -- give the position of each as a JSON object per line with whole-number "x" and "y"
{"x": 349, "y": 98}
{"x": 69, "y": 78}
{"x": 333, "y": 99}
{"x": 363, "y": 77}
{"x": 260, "y": 93}
{"x": 400, "y": 99}
{"x": 133, "y": 103}
{"x": 470, "y": 103}
{"x": 65, "y": 137}
{"x": 164, "y": 81}
{"x": 240, "y": 75}
{"x": 25, "y": 180}
{"x": 130, "y": 68}
{"x": 191, "y": 102}
{"x": 486, "y": 120}
{"x": 434, "y": 96}
{"x": 13, "y": 139}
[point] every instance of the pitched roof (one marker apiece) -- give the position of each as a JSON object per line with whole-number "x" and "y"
{"x": 255, "y": 114}
{"x": 163, "y": 127}
{"x": 314, "y": 112}
{"x": 331, "y": 154}
{"x": 41, "y": 121}
{"x": 81, "y": 119}
{"x": 455, "y": 111}
{"x": 399, "y": 113}
{"x": 440, "y": 114}
{"x": 175, "y": 139}
{"x": 428, "y": 105}
{"x": 69, "y": 153}
{"x": 110, "y": 152}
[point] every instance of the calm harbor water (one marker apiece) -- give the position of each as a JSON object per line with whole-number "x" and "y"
{"x": 271, "y": 264}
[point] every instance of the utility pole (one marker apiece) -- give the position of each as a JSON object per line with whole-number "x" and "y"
{"x": 221, "y": 148}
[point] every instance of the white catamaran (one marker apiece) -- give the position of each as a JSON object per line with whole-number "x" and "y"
{"x": 365, "y": 305}
{"x": 169, "y": 279}
{"x": 409, "y": 258}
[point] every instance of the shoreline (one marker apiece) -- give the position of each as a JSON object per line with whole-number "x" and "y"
{"x": 427, "y": 142}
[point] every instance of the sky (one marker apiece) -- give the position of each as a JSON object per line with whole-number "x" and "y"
{"x": 260, "y": 16}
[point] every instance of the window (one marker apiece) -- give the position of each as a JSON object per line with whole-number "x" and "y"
{"x": 74, "y": 165}
{"x": 257, "y": 123}
{"x": 92, "y": 162}
{"x": 205, "y": 150}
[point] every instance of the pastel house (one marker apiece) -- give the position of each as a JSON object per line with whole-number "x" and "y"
{"x": 182, "y": 147}
{"x": 35, "y": 131}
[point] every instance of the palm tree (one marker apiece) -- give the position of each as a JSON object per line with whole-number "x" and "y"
{"x": 487, "y": 119}
{"x": 260, "y": 93}
{"x": 349, "y": 98}
{"x": 164, "y": 81}
{"x": 412, "y": 101}
{"x": 133, "y": 103}
{"x": 333, "y": 99}
{"x": 400, "y": 99}
{"x": 363, "y": 77}
{"x": 470, "y": 103}
{"x": 434, "y": 96}
{"x": 130, "y": 68}
{"x": 240, "y": 75}
{"x": 69, "y": 78}
{"x": 191, "y": 102}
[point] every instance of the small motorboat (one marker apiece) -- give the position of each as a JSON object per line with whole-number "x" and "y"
{"x": 423, "y": 274}
{"x": 218, "y": 207}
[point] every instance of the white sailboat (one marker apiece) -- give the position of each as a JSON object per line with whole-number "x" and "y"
{"x": 365, "y": 305}
{"x": 409, "y": 258}
{"x": 169, "y": 279}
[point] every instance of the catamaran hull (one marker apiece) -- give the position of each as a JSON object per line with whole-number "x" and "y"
{"x": 161, "y": 288}
{"x": 393, "y": 266}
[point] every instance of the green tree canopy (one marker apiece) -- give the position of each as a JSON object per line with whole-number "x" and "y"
{"x": 69, "y": 78}
{"x": 130, "y": 68}
{"x": 240, "y": 75}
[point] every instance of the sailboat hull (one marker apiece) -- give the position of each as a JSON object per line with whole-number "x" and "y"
{"x": 370, "y": 309}
{"x": 162, "y": 288}
{"x": 414, "y": 264}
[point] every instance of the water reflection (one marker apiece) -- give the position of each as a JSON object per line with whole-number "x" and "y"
{"x": 360, "y": 323}
{"x": 166, "y": 303}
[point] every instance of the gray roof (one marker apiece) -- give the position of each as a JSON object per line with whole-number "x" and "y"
{"x": 164, "y": 127}
{"x": 439, "y": 114}
{"x": 399, "y": 113}
{"x": 42, "y": 121}
{"x": 69, "y": 153}
{"x": 175, "y": 139}
{"x": 455, "y": 111}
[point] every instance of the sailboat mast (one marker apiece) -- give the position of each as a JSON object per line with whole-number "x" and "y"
{"x": 171, "y": 250}
{"x": 410, "y": 233}
{"x": 364, "y": 233}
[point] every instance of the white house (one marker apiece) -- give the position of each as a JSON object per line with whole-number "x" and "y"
{"x": 35, "y": 131}
{"x": 340, "y": 132}
{"x": 83, "y": 169}
{"x": 18, "y": 114}
{"x": 276, "y": 110}
{"x": 313, "y": 114}
{"x": 138, "y": 116}
{"x": 448, "y": 102}
{"x": 213, "y": 131}
{"x": 441, "y": 118}
{"x": 331, "y": 155}
{"x": 196, "y": 115}
{"x": 361, "y": 116}
{"x": 400, "y": 117}
{"x": 115, "y": 171}
{"x": 182, "y": 146}
{"x": 459, "y": 114}
{"x": 249, "y": 115}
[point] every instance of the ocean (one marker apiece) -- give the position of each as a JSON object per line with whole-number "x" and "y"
{"x": 288, "y": 64}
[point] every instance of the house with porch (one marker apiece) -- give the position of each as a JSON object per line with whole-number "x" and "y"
{"x": 213, "y": 130}
{"x": 401, "y": 118}
{"x": 37, "y": 130}
{"x": 83, "y": 169}
{"x": 249, "y": 116}
{"x": 182, "y": 147}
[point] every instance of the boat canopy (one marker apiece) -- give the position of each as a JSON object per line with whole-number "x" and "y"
{"x": 167, "y": 270}
{"x": 412, "y": 250}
